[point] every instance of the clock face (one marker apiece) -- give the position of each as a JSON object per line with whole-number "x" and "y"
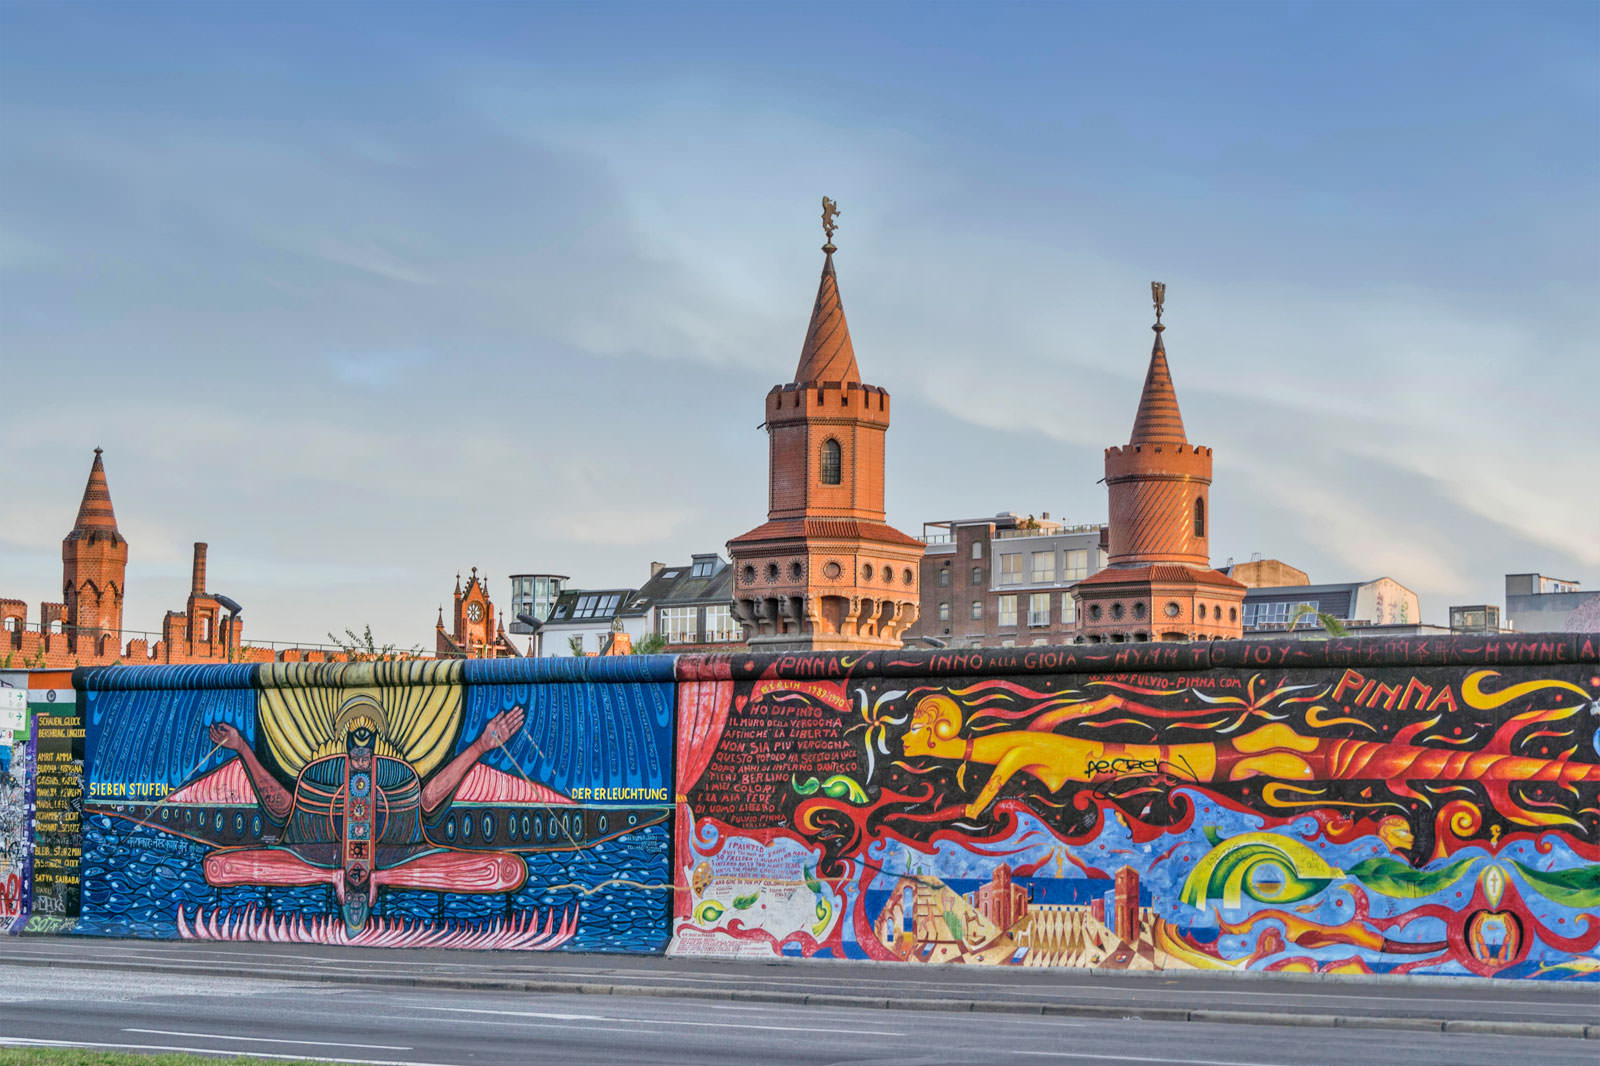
{"x": 475, "y": 612}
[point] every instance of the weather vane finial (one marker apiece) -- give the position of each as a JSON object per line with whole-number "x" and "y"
{"x": 1158, "y": 293}
{"x": 830, "y": 221}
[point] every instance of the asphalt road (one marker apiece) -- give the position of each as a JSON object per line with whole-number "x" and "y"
{"x": 1524, "y": 1007}
{"x": 329, "y": 1022}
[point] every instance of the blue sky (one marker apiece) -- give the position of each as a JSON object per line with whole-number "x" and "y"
{"x": 364, "y": 294}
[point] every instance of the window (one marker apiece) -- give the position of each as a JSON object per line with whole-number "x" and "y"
{"x": 1277, "y": 614}
{"x": 977, "y": 608}
{"x": 977, "y": 575}
{"x": 1069, "y": 609}
{"x": 944, "y": 612}
{"x": 597, "y": 605}
{"x": 1008, "y": 610}
{"x": 702, "y": 568}
{"x": 1044, "y": 566}
{"x": 944, "y": 577}
{"x": 1039, "y": 609}
{"x": 1199, "y": 516}
{"x": 679, "y": 625}
{"x": 830, "y": 462}
{"x": 720, "y": 626}
{"x": 1077, "y": 564}
{"x": 1011, "y": 568}
{"x": 977, "y": 549}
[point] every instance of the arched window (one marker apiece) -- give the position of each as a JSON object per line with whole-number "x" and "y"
{"x": 1199, "y": 516}
{"x": 830, "y": 462}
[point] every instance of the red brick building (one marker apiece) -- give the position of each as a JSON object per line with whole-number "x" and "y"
{"x": 473, "y": 634}
{"x": 86, "y": 629}
{"x": 825, "y": 571}
{"x": 1159, "y": 583}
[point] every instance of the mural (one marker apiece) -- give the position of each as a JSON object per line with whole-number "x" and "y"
{"x": 499, "y": 804}
{"x": 1344, "y": 808}
{"x": 16, "y": 838}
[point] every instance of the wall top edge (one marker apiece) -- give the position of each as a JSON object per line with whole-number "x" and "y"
{"x": 613, "y": 669}
{"x": 1523, "y": 649}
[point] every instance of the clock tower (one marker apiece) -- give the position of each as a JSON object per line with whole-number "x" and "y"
{"x": 474, "y": 634}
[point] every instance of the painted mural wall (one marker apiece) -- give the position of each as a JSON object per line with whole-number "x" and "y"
{"x": 514, "y": 804}
{"x": 41, "y": 801}
{"x": 1342, "y": 806}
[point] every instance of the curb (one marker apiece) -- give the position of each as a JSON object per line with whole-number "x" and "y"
{"x": 1101, "y": 1012}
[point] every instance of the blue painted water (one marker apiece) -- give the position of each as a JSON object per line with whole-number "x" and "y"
{"x": 136, "y": 877}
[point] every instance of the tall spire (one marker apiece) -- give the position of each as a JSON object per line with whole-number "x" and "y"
{"x": 1159, "y": 421}
{"x": 95, "y": 513}
{"x": 827, "y": 354}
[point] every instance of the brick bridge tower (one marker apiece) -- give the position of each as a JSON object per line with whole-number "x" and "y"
{"x": 1159, "y": 584}
{"x": 94, "y": 565}
{"x": 825, "y": 571}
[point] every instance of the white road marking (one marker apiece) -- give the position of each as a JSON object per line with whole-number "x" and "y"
{"x": 271, "y": 1040}
{"x": 657, "y": 1021}
{"x": 12, "y": 1041}
{"x": 1100, "y": 1056}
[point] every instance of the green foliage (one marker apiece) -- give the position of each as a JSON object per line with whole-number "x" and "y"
{"x": 1331, "y": 626}
{"x": 363, "y": 647}
{"x": 575, "y": 642}
{"x": 650, "y": 644}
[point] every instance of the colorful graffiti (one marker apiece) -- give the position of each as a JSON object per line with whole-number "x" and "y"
{"x": 512, "y": 804}
{"x": 1135, "y": 809}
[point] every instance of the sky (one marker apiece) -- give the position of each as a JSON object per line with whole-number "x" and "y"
{"x": 366, "y": 294}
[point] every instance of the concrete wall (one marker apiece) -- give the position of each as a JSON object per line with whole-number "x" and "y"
{"x": 1344, "y": 806}
{"x": 514, "y": 804}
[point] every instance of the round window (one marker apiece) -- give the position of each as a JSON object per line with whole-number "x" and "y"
{"x": 1094, "y": 612}
{"x": 1116, "y": 610}
{"x": 1138, "y": 610}
{"x": 796, "y": 570}
{"x": 832, "y": 571}
{"x": 908, "y": 577}
{"x": 772, "y": 571}
{"x": 866, "y": 571}
{"x": 1172, "y": 610}
{"x": 749, "y": 574}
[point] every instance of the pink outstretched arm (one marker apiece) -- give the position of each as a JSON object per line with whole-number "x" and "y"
{"x": 501, "y": 728}
{"x": 271, "y": 795}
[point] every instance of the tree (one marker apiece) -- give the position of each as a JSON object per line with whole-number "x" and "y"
{"x": 362, "y": 647}
{"x": 575, "y": 642}
{"x": 1331, "y": 626}
{"x": 650, "y": 644}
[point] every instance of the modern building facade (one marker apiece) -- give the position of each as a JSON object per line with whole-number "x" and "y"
{"x": 825, "y": 571}
{"x": 1539, "y": 604}
{"x": 1357, "y": 605}
{"x": 1158, "y": 583}
{"x": 1003, "y": 581}
{"x": 689, "y": 607}
{"x": 533, "y": 596}
{"x": 582, "y": 622}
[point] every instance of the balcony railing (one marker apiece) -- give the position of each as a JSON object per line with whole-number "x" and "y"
{"x": 1048, "y": 531}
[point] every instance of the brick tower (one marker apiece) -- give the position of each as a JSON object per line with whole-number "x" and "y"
{"x": 825, "y": 571}
{"x": 1159, "y": 584}
{"x": 94, "y": 564}
{"x": 474, "y": 634}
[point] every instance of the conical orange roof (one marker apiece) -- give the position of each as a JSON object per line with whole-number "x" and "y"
{"x": 95, "y": 513}
{"x": 828, "y": 354}
{"x": 1159, "y": 421}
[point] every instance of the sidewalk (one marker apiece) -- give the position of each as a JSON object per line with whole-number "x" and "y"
{"x": 1465, "y": 1005}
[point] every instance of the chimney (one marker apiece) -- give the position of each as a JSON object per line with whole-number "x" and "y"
{"x": 198, "y": 582}
{"x": 656, "y": 568}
